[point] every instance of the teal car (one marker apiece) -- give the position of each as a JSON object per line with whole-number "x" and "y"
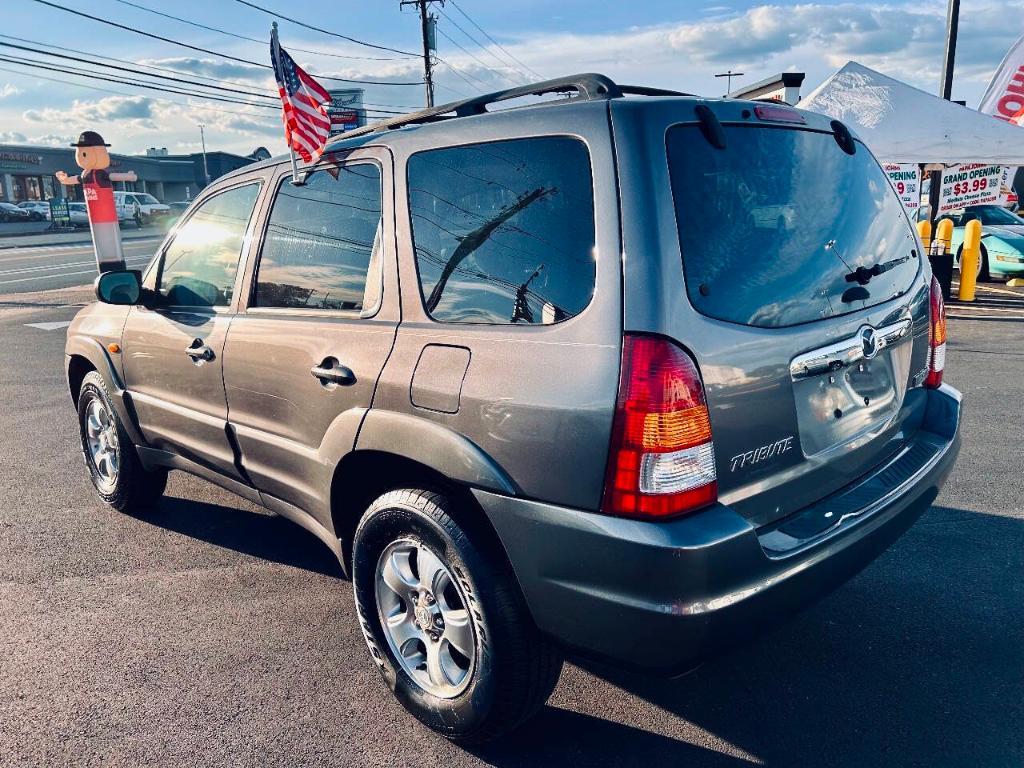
{"x": 1002, "y": 241}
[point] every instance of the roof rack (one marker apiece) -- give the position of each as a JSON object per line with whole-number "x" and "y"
{"x": 587, "y": 87}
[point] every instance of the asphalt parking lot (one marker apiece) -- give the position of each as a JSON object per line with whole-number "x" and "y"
{"x": 208, "y": 633}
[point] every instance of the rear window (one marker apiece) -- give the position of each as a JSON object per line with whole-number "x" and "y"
{"x": 774, "y": 227}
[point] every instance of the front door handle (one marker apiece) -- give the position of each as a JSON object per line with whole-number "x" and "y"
{"x": 199, "y": 352}
{"x": 330, "y": 371}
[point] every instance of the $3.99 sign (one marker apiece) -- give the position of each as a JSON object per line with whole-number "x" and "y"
{"x": 969, "y": 184}
{"x": 905, "y": 178}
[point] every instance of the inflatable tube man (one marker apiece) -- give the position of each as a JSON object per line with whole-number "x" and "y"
{"x": 92, "y": 157}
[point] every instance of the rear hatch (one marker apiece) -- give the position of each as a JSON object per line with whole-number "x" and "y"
{"x": 805, "y": 303}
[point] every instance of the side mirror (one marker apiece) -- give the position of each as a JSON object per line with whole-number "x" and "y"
{"x": 120, "y": 287}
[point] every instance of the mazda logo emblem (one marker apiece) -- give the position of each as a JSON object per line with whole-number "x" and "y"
{"x": 868, "y": 342}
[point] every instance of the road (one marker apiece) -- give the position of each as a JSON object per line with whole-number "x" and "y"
{"x": 40, "y": 268}
{"x": 208, "y": 633}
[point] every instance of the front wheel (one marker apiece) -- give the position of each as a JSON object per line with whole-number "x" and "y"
{"x": 445, "y": 621}
{"x": 982, "y": 275}
{"x": 113, "y": 463}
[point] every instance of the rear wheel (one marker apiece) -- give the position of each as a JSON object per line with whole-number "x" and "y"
{"x": 445, "y": 622}
{"x": 114, "y": 467}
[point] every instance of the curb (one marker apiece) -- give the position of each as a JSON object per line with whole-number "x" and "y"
{"x": 72, "y": 243}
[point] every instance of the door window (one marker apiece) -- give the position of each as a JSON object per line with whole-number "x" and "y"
{"x": 322, "y": 241}
{"x": 199, "y": 265}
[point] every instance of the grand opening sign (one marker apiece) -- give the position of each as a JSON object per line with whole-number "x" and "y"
{"x": 969, "y": 184}
{"x": 906, "y": 180}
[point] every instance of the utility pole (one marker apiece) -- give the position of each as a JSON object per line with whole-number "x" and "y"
{"x": 945, "y": 91}
{"x": 206, "y": 170}
{"x": 427, "y": 22}
{"x": 729, "y": 75}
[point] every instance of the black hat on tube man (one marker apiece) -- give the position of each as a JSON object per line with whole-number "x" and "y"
{"x": 92, "y": 157}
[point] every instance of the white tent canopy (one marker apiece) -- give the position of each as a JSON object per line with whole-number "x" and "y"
{"x": 902, "y": 124}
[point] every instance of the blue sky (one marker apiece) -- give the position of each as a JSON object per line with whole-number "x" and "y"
{"x": 679, "y": 44}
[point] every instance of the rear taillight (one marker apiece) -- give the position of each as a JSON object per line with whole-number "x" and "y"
{"x": 662, "y": 461}
{"x": 936, "y": 337}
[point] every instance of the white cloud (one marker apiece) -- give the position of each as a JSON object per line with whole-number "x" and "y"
{"x": 8, "y": 89}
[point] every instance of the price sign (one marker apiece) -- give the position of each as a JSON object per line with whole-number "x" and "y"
{"x": 906, "y": 180}
{"x": 969, "y": 184}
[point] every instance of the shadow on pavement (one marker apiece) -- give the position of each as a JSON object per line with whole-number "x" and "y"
{"x": 259, "y": 535}
{"x": 918, "y": 661}
{"x": 558, "y": 737}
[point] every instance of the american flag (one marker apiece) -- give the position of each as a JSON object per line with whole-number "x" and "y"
{"x": 306, "y": 124}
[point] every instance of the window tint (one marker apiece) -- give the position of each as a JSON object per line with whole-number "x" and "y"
{"x": 504, "y": 231}
{"x": 320, "y": 242}
{"x": 148, "y": 199}
{"x": 774, "y": 227}
{"x": 200, "y": 263}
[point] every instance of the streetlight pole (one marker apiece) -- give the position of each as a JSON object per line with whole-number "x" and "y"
{"x": 945, "y": 91}
{"x": 206, "y": 169}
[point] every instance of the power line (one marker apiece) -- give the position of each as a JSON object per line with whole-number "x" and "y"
{"x": 277, "y": 15}
{"x": 186, "y": 81}
{"x": 252, "y": 90}
{"x": 90, "y": 87}
{"x": 254, "y": 39}
{"x": 79, "y": 72}
{"x": 476, "y": 42}
{"x": 132, "y": 63}
{"x": 484, "y": 33}
{"x": 92, "y": 76}
{"x": 207, "y": 50}
{"x": 478, "y": 61}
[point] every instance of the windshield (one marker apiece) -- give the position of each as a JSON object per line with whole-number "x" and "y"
{"x": 987, "y": 215}
{"x": 783, "y": 227}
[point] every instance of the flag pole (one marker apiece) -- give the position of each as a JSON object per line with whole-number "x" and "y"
{"x": 274, "y": 46}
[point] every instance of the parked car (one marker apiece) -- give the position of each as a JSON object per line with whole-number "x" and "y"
{"x": 142, "y": 205}
{"x": 78, "y": 215}
{"x": 536, "y": 384}
{"x": 1002, "y": 241}
{"x": 38, "y": 210}
{"x": 10, "y": 213}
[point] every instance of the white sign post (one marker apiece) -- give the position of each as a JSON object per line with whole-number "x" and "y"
{"x": 969, "y": 184}
{"x": 906, "y": 180}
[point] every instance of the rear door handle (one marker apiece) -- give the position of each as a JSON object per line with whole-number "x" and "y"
{"x": 330, "y": 371}
{"x": 199, "y": 351}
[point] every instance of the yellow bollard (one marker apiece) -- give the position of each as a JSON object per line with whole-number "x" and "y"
{"x": 924, "y": 229}
{"x": 943, "y": 235}
{"x": 970, "y": 257}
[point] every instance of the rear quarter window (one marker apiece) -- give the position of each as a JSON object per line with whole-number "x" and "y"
{"x": 773, "y": 227}
{"x": 504, "y": 231}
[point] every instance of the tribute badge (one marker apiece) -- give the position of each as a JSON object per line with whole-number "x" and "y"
{"x": 92, "y": 157}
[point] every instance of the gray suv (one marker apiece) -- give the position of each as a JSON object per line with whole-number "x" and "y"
{"x": 626, "y": 373}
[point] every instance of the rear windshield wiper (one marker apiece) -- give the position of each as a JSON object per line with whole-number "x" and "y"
{"x": 863, "y": 275}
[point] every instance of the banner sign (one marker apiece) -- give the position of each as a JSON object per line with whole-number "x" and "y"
{"x": 1004, "y": 100}
{"x": 969, "y": 184}
{"x": 906, "y": 180}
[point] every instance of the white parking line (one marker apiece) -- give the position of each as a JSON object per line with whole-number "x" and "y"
{"x": 135, "y": 262}
{"x": 65, "y": 265}
{"x": 50, "y": 326}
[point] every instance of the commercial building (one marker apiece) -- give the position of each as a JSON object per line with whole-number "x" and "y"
{"x": 28, "y": 173}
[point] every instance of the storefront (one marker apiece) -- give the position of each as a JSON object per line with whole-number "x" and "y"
{"x": 28, "y": 173}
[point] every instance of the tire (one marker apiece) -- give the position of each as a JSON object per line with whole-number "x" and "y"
{"x": 983, "y": 275}
{"x": 118, "y": 477}
{"x": 512, "y": 671}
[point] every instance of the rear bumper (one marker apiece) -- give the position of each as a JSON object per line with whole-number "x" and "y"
{"x": 663, "y": 596}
